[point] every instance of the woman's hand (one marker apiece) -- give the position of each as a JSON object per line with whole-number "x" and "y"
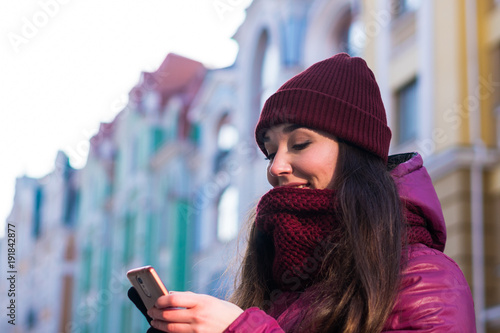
{"x": 198, "y": 313}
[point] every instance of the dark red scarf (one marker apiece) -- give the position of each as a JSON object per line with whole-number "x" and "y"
{"x": 303, "y": 224}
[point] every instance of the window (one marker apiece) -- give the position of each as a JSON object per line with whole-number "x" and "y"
{"x": 400, "y": 7}
{"x": 407, "y": 112}
{"x": 353, "y": 38}
{"x": 86, "y": 281}
{"x": 181, "y": 244}
{"x": 494, "y": 64}
{"x": 495, "y": 77}
{"x": 37, "y": 218}
{"x": 70, "y": 208}
{"x": 31, "y": 320}
{"x": 266, "y": 66}
{"x": 134, "y": 155}
{"x": 227, "y": 217}
{"x": 126, "y": 317}
{"x": 151, "y": 102}
{"x": 293, "y": 30}
{"x": 157, "y": 138}
{"x": 195, "y": 133}
{"x": 150, "y": 246}
{"x": 348, "y": 33}
{"x": 227, "y": 138}
{"x": 270, "y": 71}
{"x": 129, "y": 237}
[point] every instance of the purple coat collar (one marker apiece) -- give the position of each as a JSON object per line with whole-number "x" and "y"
{"x": 415, "y": 185}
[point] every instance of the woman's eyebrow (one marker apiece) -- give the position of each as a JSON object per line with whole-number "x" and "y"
{"x": 293, "y": 127}
{"x": 288, "y": 129}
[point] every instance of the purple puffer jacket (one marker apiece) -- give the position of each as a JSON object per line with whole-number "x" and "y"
{"x": 434, "y": 295}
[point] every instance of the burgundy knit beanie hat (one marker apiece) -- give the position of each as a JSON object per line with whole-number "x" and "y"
{"x": 338, "y": 95}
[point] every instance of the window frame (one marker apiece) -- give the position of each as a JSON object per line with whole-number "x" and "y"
{"x": 413, "y": 83}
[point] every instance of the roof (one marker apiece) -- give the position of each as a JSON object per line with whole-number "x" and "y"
{"x": 176, "y": 75}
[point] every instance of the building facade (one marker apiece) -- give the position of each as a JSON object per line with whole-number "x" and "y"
{"x": 437, "y": 64}
{"x": 135, "y": 205}
{"x": 43, "y": 216}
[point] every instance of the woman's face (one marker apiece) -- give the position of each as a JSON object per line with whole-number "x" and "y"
{"x": 300, "y": 157}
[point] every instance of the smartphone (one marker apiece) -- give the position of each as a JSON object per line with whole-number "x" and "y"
{"x": 148, "y": 284}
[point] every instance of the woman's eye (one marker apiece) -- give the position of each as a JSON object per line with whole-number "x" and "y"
{"x": 270, "y": 156}
{"x": 300, "y": 146}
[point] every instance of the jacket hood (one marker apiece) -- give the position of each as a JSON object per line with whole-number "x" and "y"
{"x": 415, "y": 186}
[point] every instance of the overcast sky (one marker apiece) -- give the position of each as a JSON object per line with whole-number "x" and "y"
{"x": 67, "y": 65}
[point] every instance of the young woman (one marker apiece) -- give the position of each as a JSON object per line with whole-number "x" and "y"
{"x": 349, "y": 239}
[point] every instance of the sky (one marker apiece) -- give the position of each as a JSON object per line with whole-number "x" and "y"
{"x": 68, "y": 65}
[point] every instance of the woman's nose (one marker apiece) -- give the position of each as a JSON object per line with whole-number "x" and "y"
{"x": 280, "y": 165}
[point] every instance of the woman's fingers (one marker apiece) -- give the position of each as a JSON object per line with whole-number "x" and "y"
{"x": 185, "y": 299}
{"x": 182, "y": 312}
{"x": 172, "y": 315}
{"x": 172, "y": 327}
{"x": 176, "y": 307}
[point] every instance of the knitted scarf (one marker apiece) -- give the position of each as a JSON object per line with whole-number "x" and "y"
{"x": 303, "y": 224}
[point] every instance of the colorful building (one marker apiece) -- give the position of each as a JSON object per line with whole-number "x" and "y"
{"x": 135, "y": 204}
{"x": 44, "y": 215}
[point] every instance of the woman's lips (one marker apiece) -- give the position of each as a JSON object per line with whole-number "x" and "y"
{"x": 296, "y": 185}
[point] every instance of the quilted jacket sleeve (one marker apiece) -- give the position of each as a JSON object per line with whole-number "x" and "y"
{"x": 434, "y": 296}
{"x": 254, "y": 320}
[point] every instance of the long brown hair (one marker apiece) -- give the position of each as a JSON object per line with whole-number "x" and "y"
{"x": 360, "y": 273}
